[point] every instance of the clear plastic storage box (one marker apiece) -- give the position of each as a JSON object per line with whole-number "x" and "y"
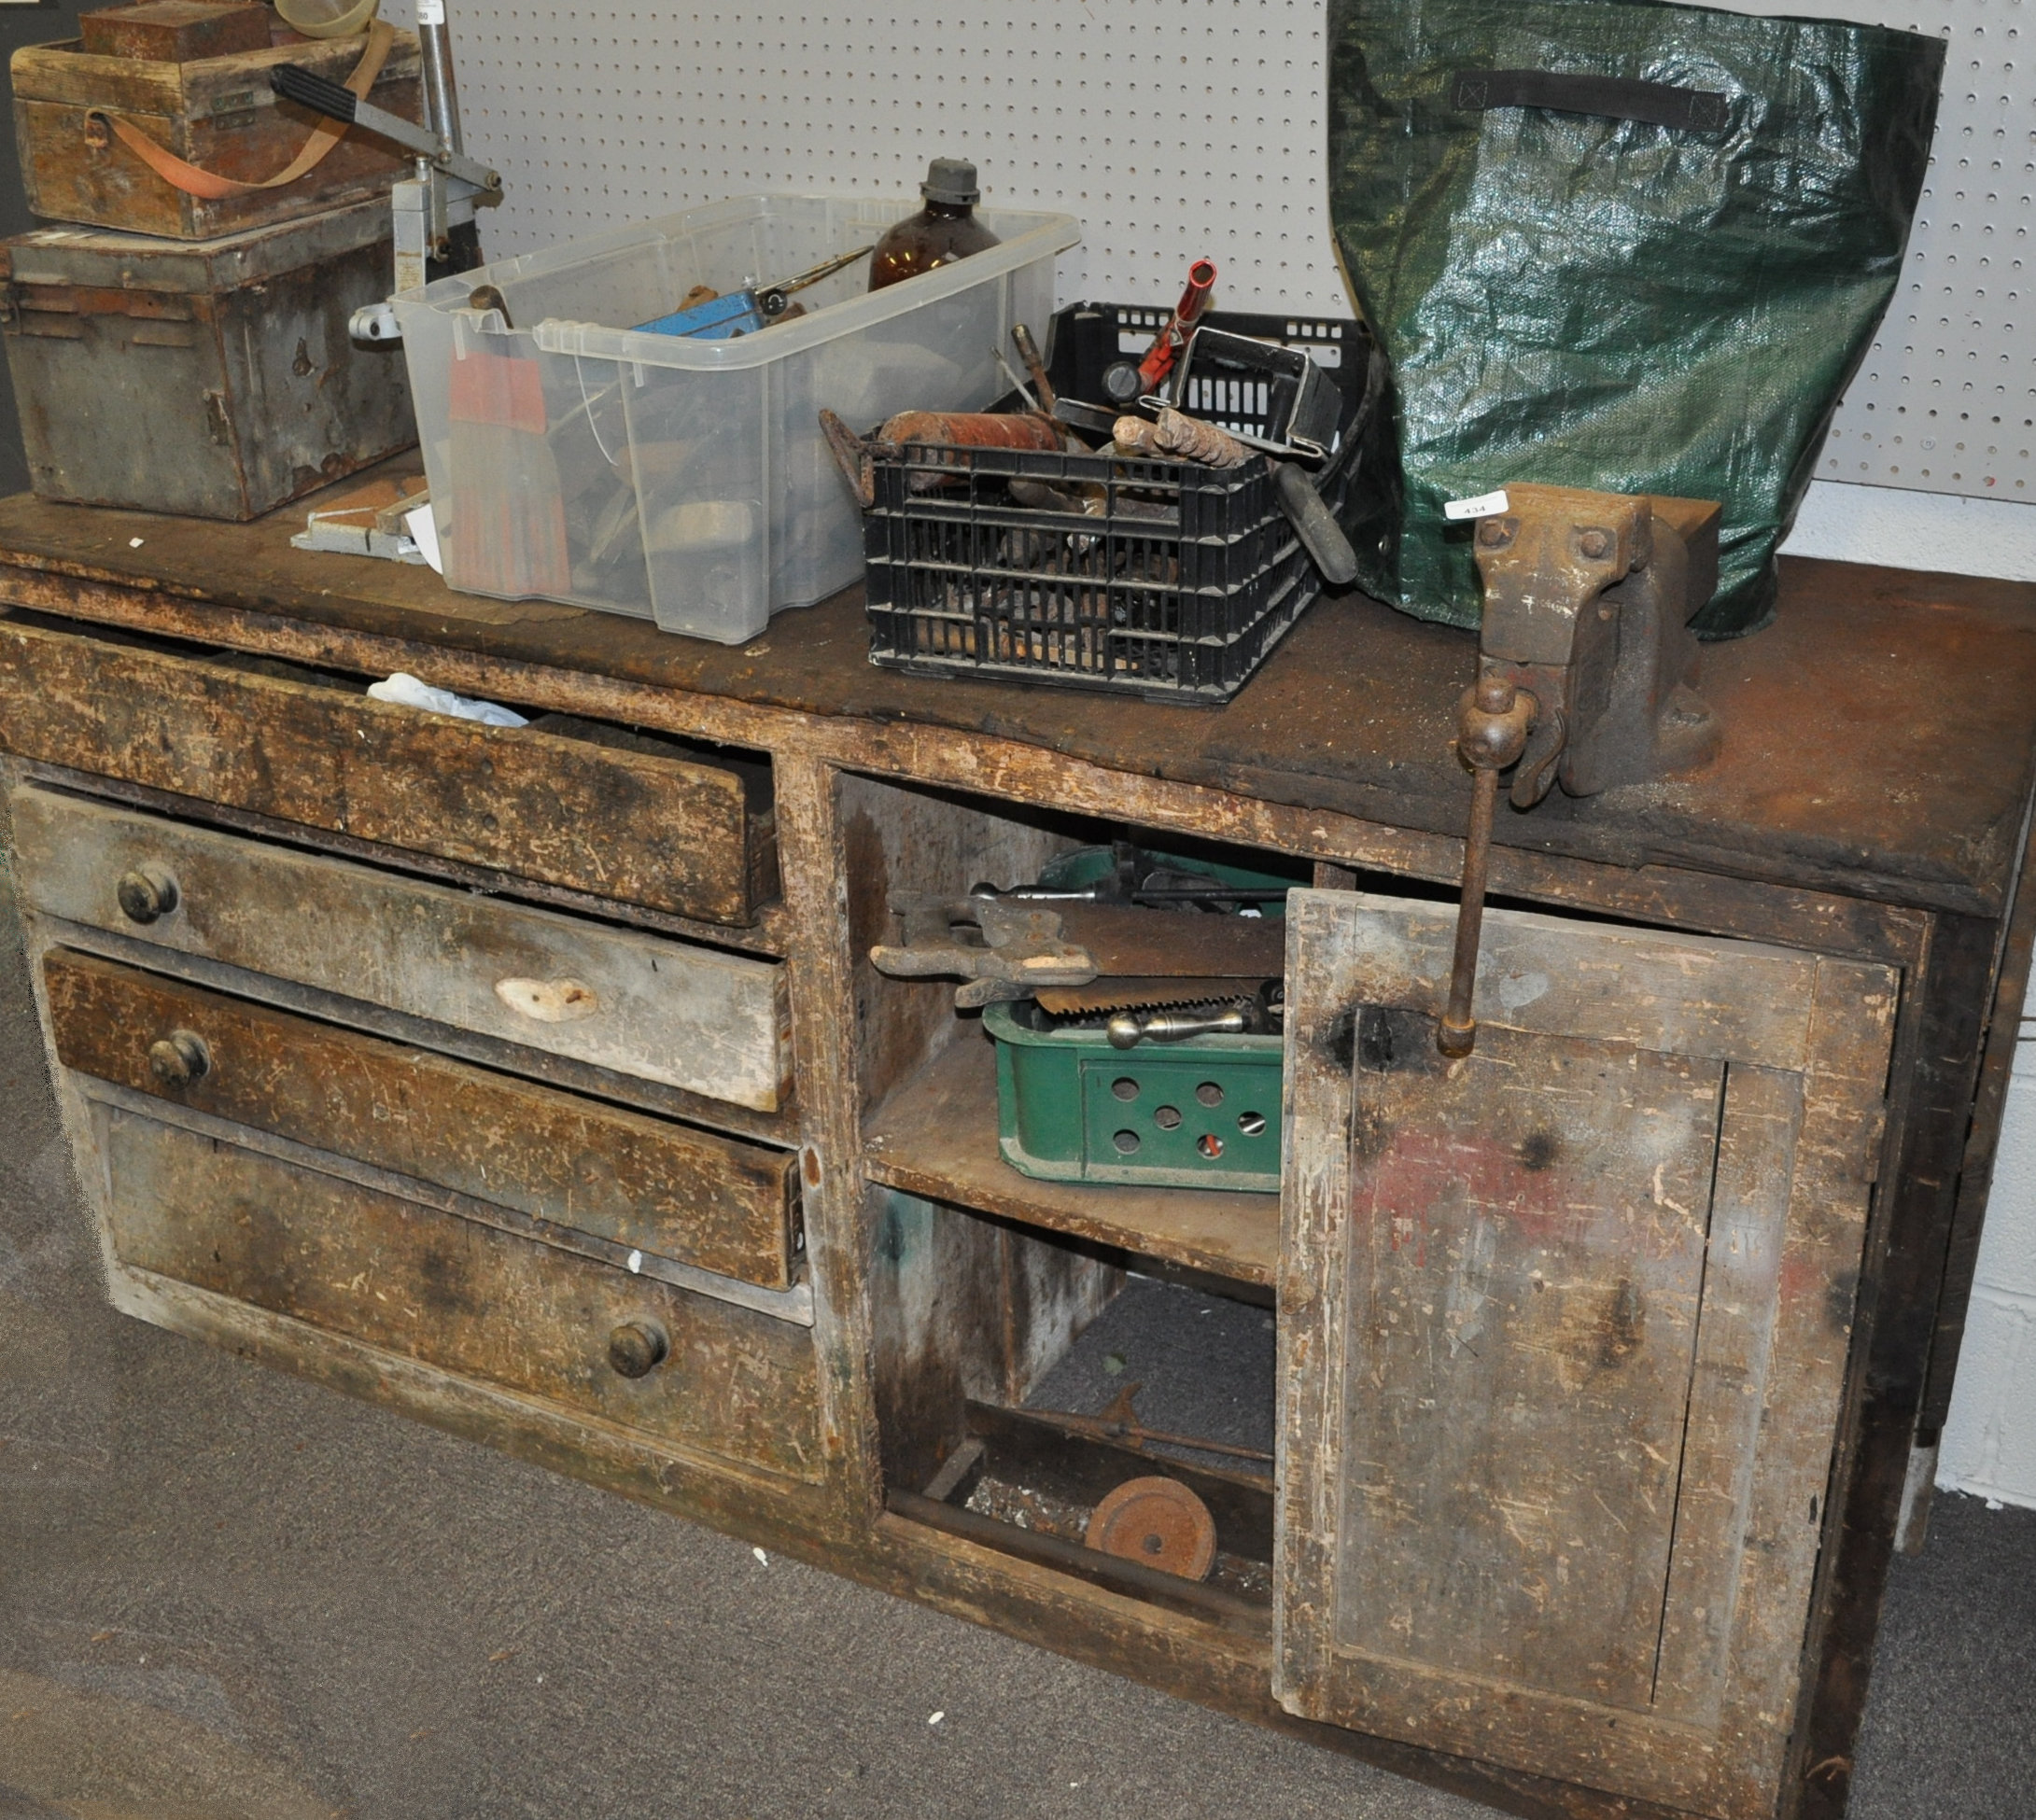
{"x": 574, "y": 457}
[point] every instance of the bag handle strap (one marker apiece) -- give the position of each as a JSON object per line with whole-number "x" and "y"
{"x": 1658, "y": 103}
{"x": 212, "y": 187}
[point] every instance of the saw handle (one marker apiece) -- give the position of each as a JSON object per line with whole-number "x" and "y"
{"x": 1128, "y": 1029}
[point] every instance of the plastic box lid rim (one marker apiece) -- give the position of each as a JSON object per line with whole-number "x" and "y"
{"x": 1028, "y": 235}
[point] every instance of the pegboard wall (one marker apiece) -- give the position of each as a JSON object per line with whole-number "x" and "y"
{"x": 1945, "y": 402}
{"x": 1178, "y": 128}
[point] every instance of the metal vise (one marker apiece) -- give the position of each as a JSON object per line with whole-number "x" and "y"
{"x": 1587, "y": 667}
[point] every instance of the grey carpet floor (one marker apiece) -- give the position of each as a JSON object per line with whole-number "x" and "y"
{"x": 227, "y": 1593}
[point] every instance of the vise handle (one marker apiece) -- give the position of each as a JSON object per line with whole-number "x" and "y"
{"x": 1493, "y": 722}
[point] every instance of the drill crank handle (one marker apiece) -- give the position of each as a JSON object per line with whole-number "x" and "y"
{"x": 308, "y": 89}
{"x": 771, "y": 298}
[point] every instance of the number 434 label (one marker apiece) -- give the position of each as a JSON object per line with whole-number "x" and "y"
{"x": 1486, "y": 505}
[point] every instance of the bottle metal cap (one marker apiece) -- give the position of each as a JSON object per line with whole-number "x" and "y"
{"x": 950, "y": 180}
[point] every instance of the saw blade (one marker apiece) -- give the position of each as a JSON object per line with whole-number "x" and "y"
{"x": 1125, "y": 993}
{"x": 1130, "y": 942}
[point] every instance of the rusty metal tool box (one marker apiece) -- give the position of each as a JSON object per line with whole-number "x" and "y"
{"x": 212, "y": 378}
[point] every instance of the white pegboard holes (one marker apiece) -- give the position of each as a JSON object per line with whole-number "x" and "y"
{"x": 1179, "y": 129}
{"x": 1946, "y": 400}
{"x": 1174, "y": 129}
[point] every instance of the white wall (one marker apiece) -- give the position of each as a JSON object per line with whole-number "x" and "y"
{"x": 1989, "y": 1444}
{"x": 1916, "y": 530}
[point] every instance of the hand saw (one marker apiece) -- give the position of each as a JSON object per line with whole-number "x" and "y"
{"x": 1006, "y": 949}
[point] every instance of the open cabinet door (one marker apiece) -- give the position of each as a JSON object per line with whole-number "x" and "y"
{"x": 1564, "y": 1330}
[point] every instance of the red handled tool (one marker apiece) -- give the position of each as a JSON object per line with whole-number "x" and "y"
{"x": 1123, "y": 383}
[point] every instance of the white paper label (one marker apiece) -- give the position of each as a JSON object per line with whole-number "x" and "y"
{"x": 430, "y": 12}
{"x": 424, "y": 532}
{"x": 1486, "y": 505}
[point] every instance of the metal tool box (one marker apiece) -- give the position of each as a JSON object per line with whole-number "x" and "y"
{"x": 212, "y": 378}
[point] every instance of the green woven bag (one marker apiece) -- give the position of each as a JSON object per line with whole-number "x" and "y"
{"x": 1618, "y": 244}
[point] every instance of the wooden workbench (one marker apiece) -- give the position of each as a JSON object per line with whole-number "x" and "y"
{"x": 384, "y": 1175}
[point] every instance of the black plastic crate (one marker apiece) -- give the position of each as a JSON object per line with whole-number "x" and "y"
{"x": 1178, "y": 591}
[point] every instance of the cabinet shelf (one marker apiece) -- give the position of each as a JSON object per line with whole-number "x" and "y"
{"x": 937, "y": 1137}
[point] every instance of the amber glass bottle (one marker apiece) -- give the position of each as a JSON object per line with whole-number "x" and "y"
{"x": 946, "y": 229}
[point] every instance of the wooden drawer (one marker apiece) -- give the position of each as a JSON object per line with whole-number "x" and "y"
{"x": 691, "y": 837}
{"x": 696, "y": 1018}
{"x": 459, "y": 1295}
{"x": 691, "y": 1196}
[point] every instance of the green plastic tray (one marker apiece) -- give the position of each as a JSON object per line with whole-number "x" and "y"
{"x": 1200, "y": 1113}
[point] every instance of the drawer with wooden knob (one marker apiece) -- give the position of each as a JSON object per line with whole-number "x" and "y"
{"x": 603, "y": 812}
{"x": 708, "y": 1022}
{"x": 638, "y": 1183}
{"x": 691, "y": 1372}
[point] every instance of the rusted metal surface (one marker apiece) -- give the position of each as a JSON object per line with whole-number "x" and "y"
{"x": 217, "y": 113}
{"x": 677, "y": 834}
{"x": 216, "y": 379}
{"x": 1158, "y": 1522}
{"x": 1595, "y": 1281}
{"x": 679, "y": 1194}
{"x": 1586, "y": 671}
{"x": 1587, "y": 602}
{"x": 459, "y": 1295}
{"x": 710, "y": 1022}
{"x": 1493, "y": 722}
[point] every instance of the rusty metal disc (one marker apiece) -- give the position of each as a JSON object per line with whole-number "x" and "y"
{"x": 1158, "y": 1522}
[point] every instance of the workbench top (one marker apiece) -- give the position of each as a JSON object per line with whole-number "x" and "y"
{"x": 1880, "y": 736}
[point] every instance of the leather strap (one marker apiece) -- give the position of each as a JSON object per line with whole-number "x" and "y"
{"x": 213, "y": 187}
{"x": 1658, "y": 104}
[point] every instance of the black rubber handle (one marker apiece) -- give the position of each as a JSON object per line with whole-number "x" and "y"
{"x": 1616, "y": 97}
{"x": 308, "y": 89}
{"x": 1316, "y": 526}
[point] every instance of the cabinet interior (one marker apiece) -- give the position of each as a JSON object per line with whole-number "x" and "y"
{"x": 1035, "y": 1337}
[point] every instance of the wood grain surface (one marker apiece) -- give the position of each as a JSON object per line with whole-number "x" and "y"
{"x": 690, "y": 1196}
{"x": 675, "y": 834}
{"x": 456, "y": 1294}
{"x": 1350, "y": 716}
{"x": 692, "y": 1018}
{"x": 937, "y": 1136}
{"x": 217, "y": 113}
{"x": 1564, "y": 1329}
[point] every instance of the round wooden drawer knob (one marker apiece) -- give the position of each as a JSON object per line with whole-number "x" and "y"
{"x": 180, "y": 1058}
{"x": 146, "y": 893}
{"x": 638, "y": 1347}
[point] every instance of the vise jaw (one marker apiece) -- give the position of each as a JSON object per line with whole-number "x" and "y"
{"x": 1588, "y": 598}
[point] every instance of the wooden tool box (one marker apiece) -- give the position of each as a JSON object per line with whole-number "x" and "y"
{"x": 536, "y": 1082}
{"x": 216, "y": 112}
